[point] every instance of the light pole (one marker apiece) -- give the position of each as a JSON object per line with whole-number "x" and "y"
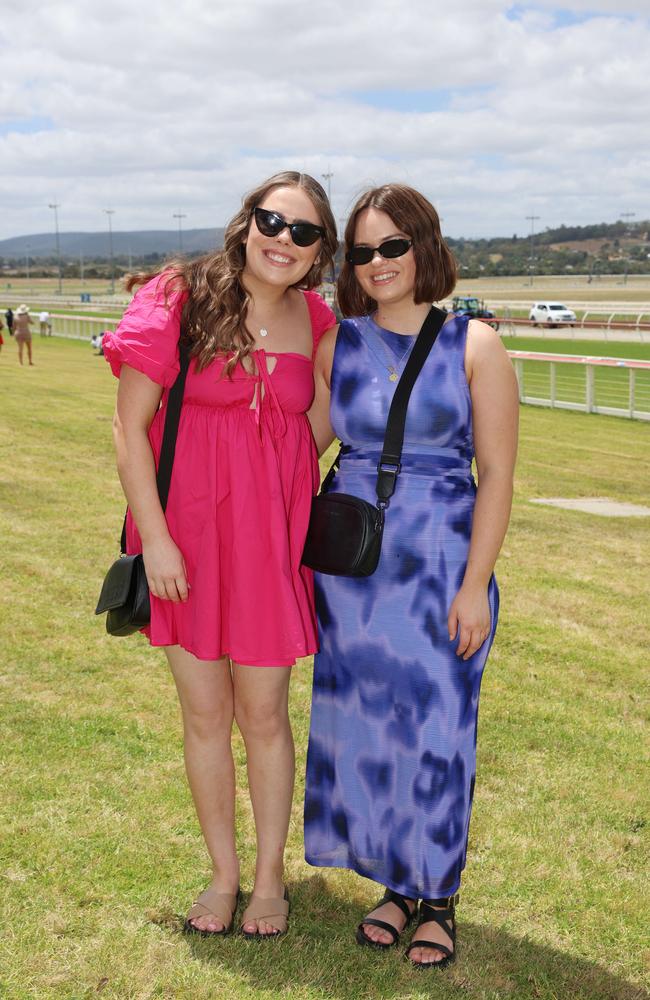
{"x": 110, "y": 212}
{"x": 180, "y": 216}
{"x": 627, "y": 215}
{"x": 532, "y": 219}
{"x": 55, "y": 205}
{"x": 328, "y": 177}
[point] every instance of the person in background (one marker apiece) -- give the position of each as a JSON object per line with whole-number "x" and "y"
{"x": 392, "y": 748}
{"x": 22, "y": 332}
{"x": 45, "y": 324}
{"x": 9, "y": 316}
{"x": 230, "y": 602}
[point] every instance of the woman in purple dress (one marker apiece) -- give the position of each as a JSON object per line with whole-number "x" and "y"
{"x": 392, "y": 749}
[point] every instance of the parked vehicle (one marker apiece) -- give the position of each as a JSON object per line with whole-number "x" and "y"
{"x": 469, "y": 305}
{"x": 552, "y": 314}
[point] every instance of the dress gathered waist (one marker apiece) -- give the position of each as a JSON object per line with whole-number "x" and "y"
{"x": 431, "y": 461}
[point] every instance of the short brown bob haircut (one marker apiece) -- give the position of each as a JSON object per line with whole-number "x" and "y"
{"x": 415, "y": 216}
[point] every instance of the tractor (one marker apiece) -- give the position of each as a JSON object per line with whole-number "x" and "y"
{"x": 469, "y": 305}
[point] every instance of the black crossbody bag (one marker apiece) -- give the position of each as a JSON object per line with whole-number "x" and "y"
{"x": 345, "y": 532}
{"x": 125, "y": 591}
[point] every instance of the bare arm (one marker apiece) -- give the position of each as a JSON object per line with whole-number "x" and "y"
{"x": 319, "y": 414}
{"x": 495, "y": 407}
{"x": 138, "y": 399}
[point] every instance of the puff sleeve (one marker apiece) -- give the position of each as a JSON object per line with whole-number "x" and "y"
{"x": 321, "y": 316}
{"x": 146, "y": 337}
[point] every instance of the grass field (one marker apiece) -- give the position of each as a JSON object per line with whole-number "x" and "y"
{"x": 100, "y": 849}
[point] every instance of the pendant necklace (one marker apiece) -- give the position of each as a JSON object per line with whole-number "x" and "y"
{"x": 393, "y": 367}
{"x": 263, "y": 332}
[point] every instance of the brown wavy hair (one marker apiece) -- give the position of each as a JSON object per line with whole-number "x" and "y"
{"x": 436, "y": 271}
{"x": 214, "y": 315}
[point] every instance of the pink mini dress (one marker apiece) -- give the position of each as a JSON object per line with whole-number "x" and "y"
{"x": 245, "y": 471}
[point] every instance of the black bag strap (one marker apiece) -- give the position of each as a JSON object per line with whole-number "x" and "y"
{"x": 389, "y": 465}
{"x": 170, "y": 433}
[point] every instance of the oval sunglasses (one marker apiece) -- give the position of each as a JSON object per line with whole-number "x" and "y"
{"x": 388, "y": 249}
{"x": 303, "y": 234}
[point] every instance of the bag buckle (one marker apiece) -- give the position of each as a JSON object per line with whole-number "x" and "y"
{"x": 391, "y": 468}
{"x": 387, "y": 473}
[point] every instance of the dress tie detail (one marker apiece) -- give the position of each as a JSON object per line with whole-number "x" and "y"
{"x": 265, "y": 390}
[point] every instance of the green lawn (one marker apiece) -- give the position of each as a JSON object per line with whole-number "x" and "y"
{"x": 100, "y": 852}
{"x": 582, "y": 348}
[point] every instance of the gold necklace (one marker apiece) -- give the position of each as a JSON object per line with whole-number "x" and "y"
{"x": 394, "y": 370}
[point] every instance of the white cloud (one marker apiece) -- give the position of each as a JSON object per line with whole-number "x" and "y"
{"x": 164, "y": 106}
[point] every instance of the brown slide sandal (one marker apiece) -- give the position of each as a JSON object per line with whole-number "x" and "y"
{"x": 221, "y": 905}
{"x": 274, "y": 911}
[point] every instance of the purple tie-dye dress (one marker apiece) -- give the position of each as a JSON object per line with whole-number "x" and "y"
{"x": 392, "y": 747}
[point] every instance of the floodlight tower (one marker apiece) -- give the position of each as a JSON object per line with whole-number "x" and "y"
{"x": 180, "y": 216}
{"x": 110, "y": 212}
{"x": 627, "y": 215}
{"x": 532, "y": 219}
{"x": 327, "y": 176}
{"x": 55, "y": 206}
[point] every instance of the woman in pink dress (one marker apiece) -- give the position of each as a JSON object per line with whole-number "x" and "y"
{"x": 229, "y": 597}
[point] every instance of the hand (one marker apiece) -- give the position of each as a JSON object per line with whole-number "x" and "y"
{"x": 469, "y": 619}
{"x": 165, "y": 569}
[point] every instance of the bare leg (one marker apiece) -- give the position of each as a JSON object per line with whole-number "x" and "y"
{"x": 20, "y": 351}
{"x": 262, "y": 714}
{"x": 29, "y": 352}
{"x": 205, "y": 692}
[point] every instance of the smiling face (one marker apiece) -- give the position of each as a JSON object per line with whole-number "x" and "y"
{"x": 276, "y": 260}
{"x": 386, "y": 281}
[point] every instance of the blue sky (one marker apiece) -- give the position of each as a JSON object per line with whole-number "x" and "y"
{"x": 495, "y": 111}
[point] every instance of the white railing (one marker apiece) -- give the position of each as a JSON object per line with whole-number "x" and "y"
{"x": 616, "y": 386}
{"x": 620, "y": 325}
{"x": 619, "y": 387}
{"x": 81, "y": 327}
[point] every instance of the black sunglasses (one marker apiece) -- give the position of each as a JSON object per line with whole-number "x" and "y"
{"x": 388, "y": 249}
{"x": 303, "y": 234}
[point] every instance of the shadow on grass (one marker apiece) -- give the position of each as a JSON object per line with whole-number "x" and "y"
{"x": 319, "y": 958}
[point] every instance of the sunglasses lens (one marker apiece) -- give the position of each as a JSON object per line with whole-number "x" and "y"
{"x": 359, "y": 255}
{"x": 268, "y": 223}
{"x": 304, "y": 234}
{"x": 394, "y": 248}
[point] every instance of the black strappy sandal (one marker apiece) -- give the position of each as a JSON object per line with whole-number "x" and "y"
{"x": 400, "y": 902}
{"x": 444, "y": 918}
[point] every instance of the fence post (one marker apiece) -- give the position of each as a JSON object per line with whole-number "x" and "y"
{"x": 589, "y": 388}
{"x": 519, "y": 372}
{"x": 632, "y": 385}
{"x": 553, "y": 382}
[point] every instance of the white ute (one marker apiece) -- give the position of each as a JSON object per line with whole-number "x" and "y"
{"x": 552, "y": 314}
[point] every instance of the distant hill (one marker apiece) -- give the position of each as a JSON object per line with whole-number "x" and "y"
{"x": 600, "y": 248}
{"x": 95, "y": 246}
